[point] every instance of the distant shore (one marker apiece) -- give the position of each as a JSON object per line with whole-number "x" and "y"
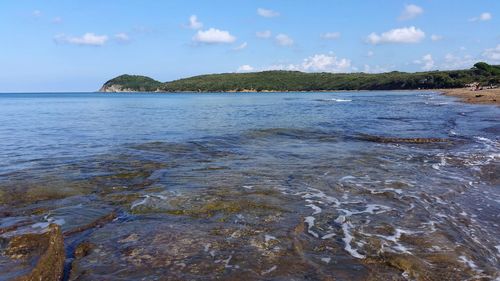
{"x": 485, "y": 96}
{"x": 296, "y": 81}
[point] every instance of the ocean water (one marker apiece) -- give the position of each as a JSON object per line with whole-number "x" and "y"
{"x": 274, "y": 186}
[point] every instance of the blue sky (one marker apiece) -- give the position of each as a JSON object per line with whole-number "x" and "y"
{"x": 56, "y": 45}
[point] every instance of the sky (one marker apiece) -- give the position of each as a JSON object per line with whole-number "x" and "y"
{"x": 71, "y": 45}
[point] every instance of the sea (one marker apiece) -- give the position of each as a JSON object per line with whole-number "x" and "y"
{"x": 254, "y": 186}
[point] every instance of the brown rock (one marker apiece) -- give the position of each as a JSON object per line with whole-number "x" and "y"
{"x": 45, "y": 250}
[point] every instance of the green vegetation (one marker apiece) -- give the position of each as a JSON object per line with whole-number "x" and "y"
{"x": 299, "y": 81}
{"x": 135, "y": 83}
{"x": 487, "y": 69}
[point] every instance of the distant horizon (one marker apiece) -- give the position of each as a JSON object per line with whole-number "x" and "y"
{"x": 53, "y": 47}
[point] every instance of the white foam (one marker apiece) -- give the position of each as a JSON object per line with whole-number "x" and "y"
{"x": 406, "y": 275}
{"x": 395, "y": 239}
{"x": 400, "y": 182}
{"x": 328, "y": 236}
{"x": 336, "y": 100}
{"x": 348, "y": 239}
{"x": 440, "y": 164}
{"x": 326, "y": 260}
{"x": 370, "y": 208}
{"x": 346, "y": 226}
{"x": 316, "y": 193}
{"x": 269, "y": 270}
{"x": 147, "y": 199}
{"x": 340, "y": 219}
{"x": 436, "y": 248}
{"x": 412, "y": 206}
{"x": 347, "y": 178}
{"x": 439, "y": 200}
{"x": 310, "y": 225}
{"x": 390, "y": 189}
{"x": 207, "y": 247}
{"x": 485, "y": 140}
{"x": 468, "y": 262}
{"x": 139, "y": 203}
{"x": 432, "y": 225}
{"x": 317, "y": 210}
{"x": 227, "y": 261}
{"x": 268, "y": 238}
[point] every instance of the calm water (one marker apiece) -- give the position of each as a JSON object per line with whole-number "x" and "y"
{"x": 296, "y": 186}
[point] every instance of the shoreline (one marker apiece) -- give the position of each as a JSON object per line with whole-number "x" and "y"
{"x": 485, "y": 96}
{"x": 465, "y": 95}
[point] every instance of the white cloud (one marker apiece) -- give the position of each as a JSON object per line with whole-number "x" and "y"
{"x": 370, "y": 54}
{"x": 213, "y": 36}
{"x": 317, "y": 63}
{"x": 435, "y": 37}
{"x": 37, "y": 13}
{"x": 485, "y": 16}
{"x": 264, "y": 34}
{"x": 267, "y": 13}
{"x": 492, "y": 54}
{"x": 326, "y": 63}
{"x": 427, "y": 62}
{"x": 482, "y": 17}
{"x": 88, "y": 39}
{"x": 399, "y": 35}
{"x": 57, "y": 20}
{"x": 241, "y": 47}
{"x": 194, "y": 23}
{"x": 330, "y": 35}
{"x": 374, "y": 69}
{"x": 410, "y": 12}
{"x": 290, "y": 67}
{"x": 245, "y": 68}
{"x": 456, "y": 62}
{"x": 284, "y": 40}
{"x": 122, "y": 37}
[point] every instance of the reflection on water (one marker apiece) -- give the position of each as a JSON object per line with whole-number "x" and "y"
{"x": 351, "y": 186}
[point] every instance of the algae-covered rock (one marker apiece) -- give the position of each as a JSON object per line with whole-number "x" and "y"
{"x": 83, "y": 249}
{"x": 35, "y": 256}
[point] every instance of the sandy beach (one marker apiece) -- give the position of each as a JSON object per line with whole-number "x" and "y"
{"x": 486, "y": 96}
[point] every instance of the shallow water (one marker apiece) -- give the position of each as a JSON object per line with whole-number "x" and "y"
{"x": 296, "y": 186}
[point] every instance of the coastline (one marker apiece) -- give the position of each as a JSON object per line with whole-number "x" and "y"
{"x": 485, "y": 96}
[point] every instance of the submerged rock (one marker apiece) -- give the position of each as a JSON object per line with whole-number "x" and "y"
{"x": 34, "y": 256}
{"x": 381, "y": 139}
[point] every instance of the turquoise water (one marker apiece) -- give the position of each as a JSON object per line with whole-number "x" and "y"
{"x": 345, "y": 165}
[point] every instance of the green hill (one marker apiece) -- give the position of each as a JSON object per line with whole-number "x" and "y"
{"x": 131, "y": 83}
{"x": 300, "y": 81}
